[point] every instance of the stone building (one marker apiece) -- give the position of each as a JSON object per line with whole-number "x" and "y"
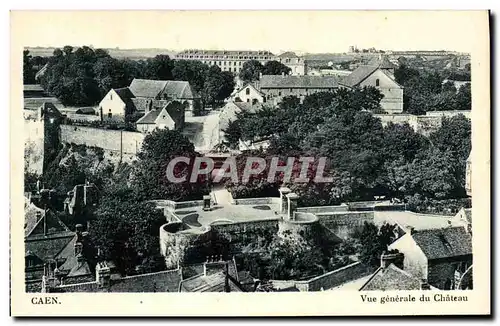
{"x": 380, "y": 76}
{"x": 294, "y": 62}
{"x": 441, "y": 256}
{"x": 144, "y": 95}
{"x": 170, "y": 117}
{"x": 231, "y": 61}
{"x": 249, "y": 94}
{"x": 275, "y": 87}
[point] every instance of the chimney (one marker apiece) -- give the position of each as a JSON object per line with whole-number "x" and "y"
{"x": 45, "y": 223}
{"x": 79, "y": 231}
{"x": 206, "y": 202}
{"x": 284, "y": 201}
{"x": 78, "y": 248}
{"x": 103, "y": 275}
{"x": 424, "y": 285}
{"x": 292, "y": 204}
{"x": 392, "y": 257}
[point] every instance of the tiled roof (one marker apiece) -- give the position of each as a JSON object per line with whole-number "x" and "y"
{"x": 287, "y": 81}
{"x": 48, "y": 249}
{"x": 444, "y": 243}
{"x": 391, "y": 278}
{"x": 34, "y": 226}
{"x": 358, "y": 75}
{"x": 124, "y": 93}
{"x": 288, "y": 54}
{"x": 179, "y": 89}
{"x": 147, "y": 88}
{"x": 165, "y": 281}
{"x": 150, "y": 117}
{"x": 209, "y": 283}
{"x": 224, "y": 52}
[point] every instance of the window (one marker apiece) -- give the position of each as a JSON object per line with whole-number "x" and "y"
{"x": 110, "y": 115}
{"x": 279, "y": 93}
{"x": 111, "y": 97}
{"x": 291, "y": 90}
{"x": 377, "y": 82}
{"x": 229, "y": 69}
{"x": 248, "y": 91}
{"x": 248, "y": 100}
{"x": 264, "y": 99}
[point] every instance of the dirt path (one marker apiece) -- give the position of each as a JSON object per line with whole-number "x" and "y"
{"x": 203, "y": 131}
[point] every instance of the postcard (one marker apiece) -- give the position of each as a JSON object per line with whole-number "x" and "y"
{"x": 250, "y": 163}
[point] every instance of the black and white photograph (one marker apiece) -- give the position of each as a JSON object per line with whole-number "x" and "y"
{"x": 203, "y": 159}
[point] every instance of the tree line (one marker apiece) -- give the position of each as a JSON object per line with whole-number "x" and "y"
{"x": 365, "y": 158}
{"x": 82, "y": 76}
{"x": 424, "y": 90}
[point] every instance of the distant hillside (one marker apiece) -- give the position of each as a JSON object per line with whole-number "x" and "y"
{"x": 134, "y": 54}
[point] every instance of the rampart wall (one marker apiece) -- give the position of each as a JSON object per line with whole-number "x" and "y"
{"x": 125, "y": 142}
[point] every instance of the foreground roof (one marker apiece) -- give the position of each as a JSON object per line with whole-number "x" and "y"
{"x": 391, "y": 278}
{"x": 287, "y": 81}
{"x": 444, "y": 243}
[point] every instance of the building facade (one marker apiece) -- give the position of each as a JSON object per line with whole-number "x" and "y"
{"x": 249, "y": 94}
{"x": 275, "y": 87}
{"x": 232, "y": 61}
{"x": 294, "y": 62}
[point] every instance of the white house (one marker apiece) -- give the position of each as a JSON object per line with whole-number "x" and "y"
{"x": 171, "y": 117}
{"x": 116, "y": 104}
{"x": 249, "y": 94}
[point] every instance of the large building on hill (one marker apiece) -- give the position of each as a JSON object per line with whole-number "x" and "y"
{"x": 232, "y": 61}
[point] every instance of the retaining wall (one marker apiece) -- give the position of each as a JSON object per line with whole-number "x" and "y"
{"x": 125, "y": 142}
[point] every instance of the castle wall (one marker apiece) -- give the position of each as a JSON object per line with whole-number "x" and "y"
{"x": 125, "y": 142}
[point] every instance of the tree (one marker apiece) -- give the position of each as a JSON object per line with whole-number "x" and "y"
{"x": 194, "y": 72}
{"x": 251, "y": 70}
{"x": 127, "y": 231}
{"x": 275, "y": 68}
{"x": 374, "y": 241}
{"x": 400, "y": 140}
{"x": 454, "y": 136}
{"x": 160, "y": 67}
{"x": 463, "y": 97}
{"x": 28, "y": 72}
{"x": 150, "y": 175}
{"x": 217, "y": 87}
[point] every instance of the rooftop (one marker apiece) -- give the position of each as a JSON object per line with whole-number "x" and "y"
{"x": 288, "y": 81}
{"x": 410, "y": 220}
{"x": 391, "y": 278}
{"x": 444, "y": 243}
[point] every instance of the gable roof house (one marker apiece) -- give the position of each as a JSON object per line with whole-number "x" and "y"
{"x": 171, "y": 116}
{"x": 144, "y": 95}
{"x": 441, "y": 256}
{"x": 275, "y": 87}
{"x": 381, "y": 76}
{"x": 249, "y": 94}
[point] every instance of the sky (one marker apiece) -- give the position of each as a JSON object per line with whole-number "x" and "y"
{"x": 277, "y": 31}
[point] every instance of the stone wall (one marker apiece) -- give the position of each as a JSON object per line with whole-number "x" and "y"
{"x": 343, "y": 224}
{"x": 125, "y": 142}
{"x": 34, "y": 140}
{"x": 323, "y": 209}
{"x": 231, "y": 229}
{"x": 328, "y": 280}
{"x": 256, "y": 201}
